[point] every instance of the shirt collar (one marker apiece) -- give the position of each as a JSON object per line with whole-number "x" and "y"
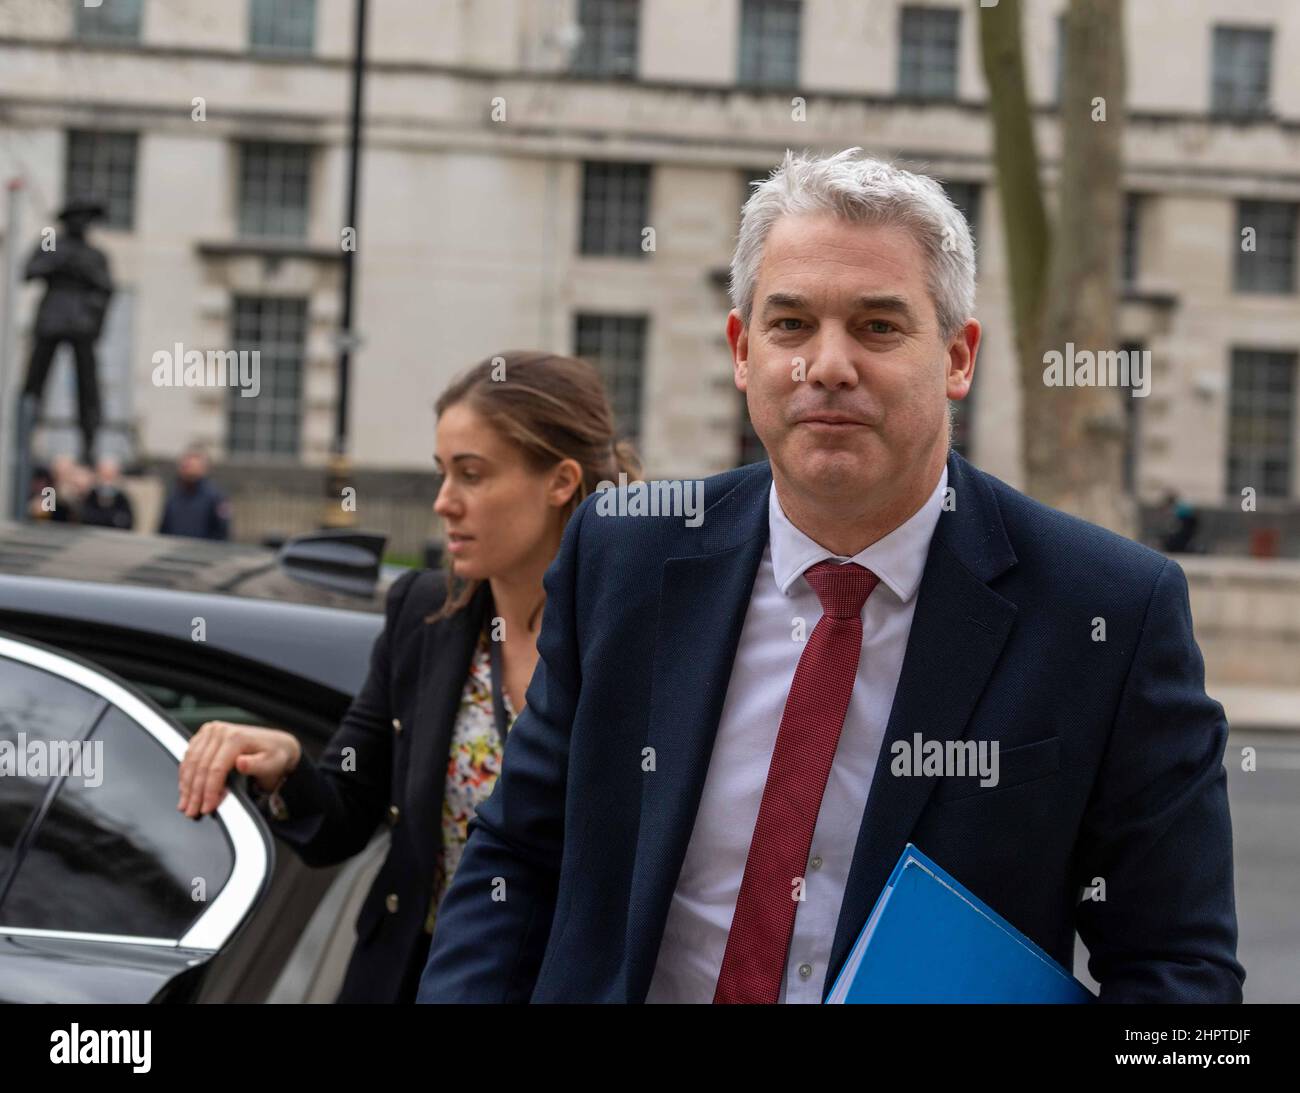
{"x": 898, "y": 558}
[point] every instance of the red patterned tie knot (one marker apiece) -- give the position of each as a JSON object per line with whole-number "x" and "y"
{"x": 842, "y": 588}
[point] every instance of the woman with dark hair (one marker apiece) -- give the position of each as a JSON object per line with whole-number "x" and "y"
{"x": 522, "y": 438}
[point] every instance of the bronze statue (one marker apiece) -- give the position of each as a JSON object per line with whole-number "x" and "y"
{"x": 76, "y": 298}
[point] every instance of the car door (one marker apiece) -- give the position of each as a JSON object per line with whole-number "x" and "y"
{"x": 107, "y": 892}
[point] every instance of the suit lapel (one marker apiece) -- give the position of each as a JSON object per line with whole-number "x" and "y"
{"x": 447, "y": 649}
{"x": 703, "y": 598}
{"x": 957, "y": 634}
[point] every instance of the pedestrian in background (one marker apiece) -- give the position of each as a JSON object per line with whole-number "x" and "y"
{"x": 106, "y": 505}
{"x": 195, "y": 507}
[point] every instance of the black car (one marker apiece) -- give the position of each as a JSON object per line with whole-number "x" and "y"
{"x": 121, "y": 646}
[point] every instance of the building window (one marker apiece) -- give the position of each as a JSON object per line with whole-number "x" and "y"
{"x": 282, "y": 26}
{"x": 1130, "y": 248}
{"x": 1261, "y": 422}
{"x": 769, "y": 42}
{"x": 274, "y": 180}
{"x": 927, "y": 55}
{"x": 101, "y": 166}
{"x": 615, "y": 208}
{"x": 616, "y": 345}
{"x": 111, "y": 21}
{"x": 1270, "y": 267}
{"x": 608, "y": 42}
{"x": 270, "y": 422}
{"x": 1242, "y": 62}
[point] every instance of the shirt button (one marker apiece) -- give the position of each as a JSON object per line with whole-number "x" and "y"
{"x": 391, "y": 903}
{"x": 393, "y": 813}
{"x": 805, "y": 970}
{"x": 397, "y": 725}
{"x": 816, "y": 863}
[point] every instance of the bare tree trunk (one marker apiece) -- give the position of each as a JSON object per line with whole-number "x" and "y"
{"x": 1086, "y": 474}
{"x": 1065, "y": 279}
{"x": 1015, "y": 155}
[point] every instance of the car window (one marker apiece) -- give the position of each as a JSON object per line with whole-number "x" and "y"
{"x": 37, "y": 709}
{"x": 116, "y": 857}
{"x": 191, "y": 708}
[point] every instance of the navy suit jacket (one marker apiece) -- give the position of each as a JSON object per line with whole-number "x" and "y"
{"x": 1111, "y": 754}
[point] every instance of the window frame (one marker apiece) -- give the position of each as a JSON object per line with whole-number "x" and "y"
{"x": 1252, "y": 459}
{"x": 249, "y": 841}
{"x": 754, "y": 44}
{"x": 921, "y": 92}
{"x": 265, "y": 49}
{"x": 626, "y": 427}
{"x": 1248, "y": 276}
{"x": 99, "y": 147}
{"x": 600, "y": 225}
{"x": 596, "y": 61}
{"x": 1226, "y": 43}
{"x": 84, "y": 28}
{"x": 258, "y": 417}
{"x": 266, "y": 209}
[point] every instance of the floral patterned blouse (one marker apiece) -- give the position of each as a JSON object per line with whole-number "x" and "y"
{"x": 472, "y": 767}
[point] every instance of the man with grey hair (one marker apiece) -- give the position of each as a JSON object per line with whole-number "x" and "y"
{"x": 710, "y": 783}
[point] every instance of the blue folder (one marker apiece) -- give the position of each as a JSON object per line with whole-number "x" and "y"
{"x": 930, "y": 940}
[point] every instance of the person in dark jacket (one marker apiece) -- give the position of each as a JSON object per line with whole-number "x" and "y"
{"x": 522, "y": 438}
{"x": 42, "y": 497}
{"x": 1181, "y": 524}
{"x": 76, "y": 298}
{"x": 105, "y": 504}
{"x": 195, "y": 507}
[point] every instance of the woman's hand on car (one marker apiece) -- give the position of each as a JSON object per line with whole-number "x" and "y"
{"x": 267, "y": 756}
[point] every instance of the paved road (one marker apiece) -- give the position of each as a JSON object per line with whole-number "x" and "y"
{"x": 1266, "y": 853}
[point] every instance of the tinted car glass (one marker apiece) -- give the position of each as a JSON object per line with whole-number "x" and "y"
{"x": 191, "y": 708}
{"x": 37, "y": 709}
{"x": 117, "y": 858}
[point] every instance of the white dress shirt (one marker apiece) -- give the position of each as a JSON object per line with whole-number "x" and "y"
{"x": 699, "y": 917}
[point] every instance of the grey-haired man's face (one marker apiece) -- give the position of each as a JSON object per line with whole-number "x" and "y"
{"x": 843, "y": 365}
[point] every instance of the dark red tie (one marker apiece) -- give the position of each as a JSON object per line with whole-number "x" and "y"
{"x": 755, "y": 959}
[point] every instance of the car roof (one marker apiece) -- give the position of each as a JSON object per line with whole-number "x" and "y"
{"x": 110, "y": 556}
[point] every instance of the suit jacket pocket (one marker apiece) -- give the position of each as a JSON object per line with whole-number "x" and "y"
{"x": 1015, "y": 766}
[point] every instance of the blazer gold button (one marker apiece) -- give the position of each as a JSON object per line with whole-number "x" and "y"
{"x": 391, "y": 902}
{"x": 397, "y": 725}
{"x": 393, "y": 813}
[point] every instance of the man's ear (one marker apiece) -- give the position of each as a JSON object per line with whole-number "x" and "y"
{"x": 961, "y": 359}
{"x": 738, "y": 339}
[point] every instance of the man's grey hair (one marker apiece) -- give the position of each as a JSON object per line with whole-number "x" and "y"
{"x": 861, "y": 189}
